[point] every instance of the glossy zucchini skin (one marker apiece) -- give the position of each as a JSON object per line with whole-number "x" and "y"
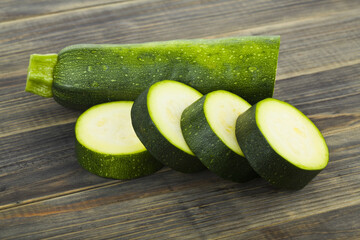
{"x": 116, "y": 166}
{"x": 89, "y": 74}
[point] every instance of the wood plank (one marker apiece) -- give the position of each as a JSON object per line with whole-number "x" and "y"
{"x": 10, "y": 10}
{"x": 312, "y": 45}
{"x": 191, "y": 206}
{"x": 164, "y": 20}
{"x": 44, "y": 193}
{"x": 45, "y": 160}
{"x": 47, "y": 154}
{"x": 337, "y": 224}
{"x": 27, "y": 113}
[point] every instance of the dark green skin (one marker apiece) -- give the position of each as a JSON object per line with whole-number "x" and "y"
{"x": 156, "y": 143}
{"x": 89, "y": 74}
{"x": 117, "y": 166}
{"x": 264, "y": 160}
{"x": 209, "y": 148}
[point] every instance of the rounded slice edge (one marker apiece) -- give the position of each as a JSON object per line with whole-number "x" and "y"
{"x": 156, "y": 120}
{"x": 107, "y": 145}
{"x": 292, "y": 135}
{"x": 106, "y": 128}
{"x": 222, "y": 109}
{"x": 166, "y": 101}
{"x": 267, "y": 147}
{"x": 208, "y": 126}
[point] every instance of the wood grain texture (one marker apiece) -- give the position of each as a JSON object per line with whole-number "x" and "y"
{"x": 10, "y": 10}
{"x": 44, "y": 193}
{"x": 336, "y": 224}
{"x": 164, "y": 20}
{"x": 198, "y": 206}
{"x": 332, "y": 49}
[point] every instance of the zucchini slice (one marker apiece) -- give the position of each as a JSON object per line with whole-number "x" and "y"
{"x": 107, "y": 145}
{"x": 208, "y": 126}
{"x": 156, "y": 120}
{"x": 281, "y": 144}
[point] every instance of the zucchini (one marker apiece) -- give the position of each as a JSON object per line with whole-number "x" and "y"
{"x": 208, "y": 126}
{"x": 107, "y": 145}
{"x": 156, "y": 120}
{"x": 88, "y": 74}
{"x": 281, "y": 144}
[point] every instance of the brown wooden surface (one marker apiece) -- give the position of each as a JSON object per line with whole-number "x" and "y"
{"x": 44, "y": 193}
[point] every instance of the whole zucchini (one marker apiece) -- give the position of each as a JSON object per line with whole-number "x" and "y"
{"x": 81, "y": 76}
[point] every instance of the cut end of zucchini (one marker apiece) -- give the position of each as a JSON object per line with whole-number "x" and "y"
{"x": 292, "y": 135}
{"x": 107, "y": 129}
{"x": 166, "y": 102}
{"x": 40, "y": 74}
{"x": 222, "y": 109}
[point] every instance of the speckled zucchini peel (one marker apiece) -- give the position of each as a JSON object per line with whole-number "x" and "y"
{"x": 88, "y": 74}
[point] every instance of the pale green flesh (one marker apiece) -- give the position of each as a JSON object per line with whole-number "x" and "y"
{"x": 292, "y": 135}
{"x": 107, "y": 128}
{"x": 222, "y": 109}
{"x": 166, "y": 101}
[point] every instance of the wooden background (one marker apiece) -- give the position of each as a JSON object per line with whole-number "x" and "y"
{"x": 44, "y": 193}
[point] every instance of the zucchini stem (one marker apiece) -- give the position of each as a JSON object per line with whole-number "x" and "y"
{"x": 40, "y": 74}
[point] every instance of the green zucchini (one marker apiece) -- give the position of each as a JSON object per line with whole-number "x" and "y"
{"x": 281, "y": 144}
{"x": 107, "y": 145}
{"x": 88, "y": 74}
{"x": 156, "y": 117}
{"x": 208, "y": 126}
